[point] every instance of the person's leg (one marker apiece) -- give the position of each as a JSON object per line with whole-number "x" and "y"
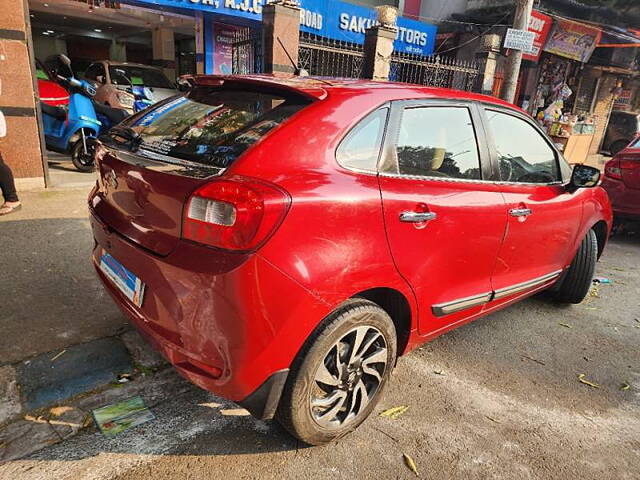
{"x": 8, "y": 187}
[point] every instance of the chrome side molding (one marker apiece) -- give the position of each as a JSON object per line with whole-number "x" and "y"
{"x": 505, "y": 292}
{"x": 459, "y": 304}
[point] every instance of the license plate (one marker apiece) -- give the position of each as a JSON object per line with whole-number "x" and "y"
{"x": 127, "y": 282}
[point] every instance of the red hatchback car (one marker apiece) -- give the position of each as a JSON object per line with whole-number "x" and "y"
{"x": 622, "y": 182}
{"x": 282, "y": 241}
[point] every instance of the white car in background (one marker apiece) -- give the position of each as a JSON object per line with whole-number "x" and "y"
{"x": 114, "y": 79}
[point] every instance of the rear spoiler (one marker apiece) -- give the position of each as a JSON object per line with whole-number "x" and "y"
{"x": 305, "y": 86}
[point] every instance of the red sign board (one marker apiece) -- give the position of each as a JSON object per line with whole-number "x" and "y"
{"x": 540, "y": 24}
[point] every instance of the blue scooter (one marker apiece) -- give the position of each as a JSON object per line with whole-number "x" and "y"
{"x": 74, "y": 129}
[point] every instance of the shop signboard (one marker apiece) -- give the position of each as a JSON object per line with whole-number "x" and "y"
{"x": 539, "y": 24}
{"x": 223, "y": 49}
{"x": 623, "y": 101}
{"x": 519, "y": 39}
{"x": 573, "y": 40}
{"x": 326, "y": 18}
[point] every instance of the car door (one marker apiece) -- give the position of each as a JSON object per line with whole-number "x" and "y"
{"x": 543, "y": 218}
{"x": 444, "y": 220}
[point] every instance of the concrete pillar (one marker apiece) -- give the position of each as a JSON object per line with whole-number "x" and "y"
{"x": 378, "y": 47}
{"x": 118, "y": 51}
{"x": 487, "y": 58}
{"x": 281, "y": 24}
{"x": 21, "y": 147}
{"x": 164, "y": 51}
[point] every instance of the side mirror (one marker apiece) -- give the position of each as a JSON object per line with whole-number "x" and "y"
{"x": 64, "y": 59}
{"x": 583, "y": 176}
{"x": 183, "y": 84}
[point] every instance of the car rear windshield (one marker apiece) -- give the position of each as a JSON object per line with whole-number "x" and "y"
{"x": 149, "y": 77}
{"x": 213, "y": 127}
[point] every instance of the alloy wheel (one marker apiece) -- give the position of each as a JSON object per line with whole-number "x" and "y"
{"x": 348, "y": 377}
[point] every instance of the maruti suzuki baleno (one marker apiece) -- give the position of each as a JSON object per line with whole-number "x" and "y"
{"x": 282, "y": 240}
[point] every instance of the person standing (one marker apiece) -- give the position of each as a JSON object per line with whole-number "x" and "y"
{"x": 7, "y": 185}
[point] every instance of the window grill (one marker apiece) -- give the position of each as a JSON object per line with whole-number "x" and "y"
{"x": 247, "y": 56}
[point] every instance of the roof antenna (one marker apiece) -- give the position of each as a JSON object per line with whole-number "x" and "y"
{"x": 301, "y": 72}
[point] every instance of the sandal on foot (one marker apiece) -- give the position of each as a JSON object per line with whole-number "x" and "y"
{"x": 7, "y": 209}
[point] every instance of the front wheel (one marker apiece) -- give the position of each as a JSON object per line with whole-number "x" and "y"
{"x": 576, "y": 281}
{"x": 82, "y": 157}
{"x": 340, "y": 373}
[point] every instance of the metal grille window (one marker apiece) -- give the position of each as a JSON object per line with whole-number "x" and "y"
{"x": 327, "y": 57}
{"x": 247, "y": 52}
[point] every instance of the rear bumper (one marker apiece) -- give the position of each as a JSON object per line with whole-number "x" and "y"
{"x": 230, "y": 323}
{"x": 625, "y": 201}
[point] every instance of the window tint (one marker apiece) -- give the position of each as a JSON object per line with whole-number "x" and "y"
{"x": 438, "y": 142}
{"x": 361, "y": 147}
{"x": 212, "y": 127}
{"x": 94, "y": 71}
{"x": 523, "y": 153}
{"x": 149, "y": 77}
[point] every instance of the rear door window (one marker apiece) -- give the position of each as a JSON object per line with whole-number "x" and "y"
{"x": 212, "y": 127}
{"x": 438, "y": 142}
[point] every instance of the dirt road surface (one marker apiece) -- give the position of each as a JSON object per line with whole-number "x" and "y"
{"x": 498, "y": 398}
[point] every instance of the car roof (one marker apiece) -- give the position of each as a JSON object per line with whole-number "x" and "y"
{"x": 320, "y": 87}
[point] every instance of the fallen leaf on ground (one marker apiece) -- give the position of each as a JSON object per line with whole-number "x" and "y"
{"x": 586, "y": 382}
{"x": 394, "y": 412}
{"x": 410, "y": 463}
{"x": 625, "y": 386}
{"x": 594, "y": 292}
{"x": 492, "y": 419}
{"x": 439, "y": 372}
{"x": 565, "y": 325}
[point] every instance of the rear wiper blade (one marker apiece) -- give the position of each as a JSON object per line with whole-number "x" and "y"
{"x": 128, "y": 135}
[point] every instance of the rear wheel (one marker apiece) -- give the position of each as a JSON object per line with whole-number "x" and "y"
{"x": 576, "y": 281}
{"x": 82, "y": 157}
{"x": 340, "y": 373}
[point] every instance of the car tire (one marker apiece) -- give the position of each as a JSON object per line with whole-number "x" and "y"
{"x": 82, "y": 162}
{"x": 323, "y": 398}
{"x": 575, "y": 283}
{"x": 617, "y": 146}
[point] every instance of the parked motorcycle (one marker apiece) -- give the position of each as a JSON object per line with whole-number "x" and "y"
{"x": 74, "y": 128}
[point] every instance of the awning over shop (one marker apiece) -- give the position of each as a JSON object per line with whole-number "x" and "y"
{"x": 615, "y": 37}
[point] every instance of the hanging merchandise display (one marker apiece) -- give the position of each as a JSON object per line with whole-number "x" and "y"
{"x": 553, "y": 107}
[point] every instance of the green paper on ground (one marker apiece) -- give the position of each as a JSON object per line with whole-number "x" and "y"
{"x": 118, "y": 417}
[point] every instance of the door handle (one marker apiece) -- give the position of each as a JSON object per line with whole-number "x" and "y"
{"x": 520, "y": 212}
{"x": 417, "y": 217}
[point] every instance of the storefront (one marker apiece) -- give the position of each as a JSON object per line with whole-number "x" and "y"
{"x": 558, "y": 92}
{"x": 221, "y": 24}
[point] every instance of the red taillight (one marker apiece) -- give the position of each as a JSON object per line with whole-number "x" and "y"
{"x": 612, "y": 169}
{"x": 615, "y": 167}
{"x": 238, "y": 213}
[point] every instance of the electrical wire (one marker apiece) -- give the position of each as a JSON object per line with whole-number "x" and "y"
{"x": 474, "y": 38}
{"x": 436, "y": 20}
